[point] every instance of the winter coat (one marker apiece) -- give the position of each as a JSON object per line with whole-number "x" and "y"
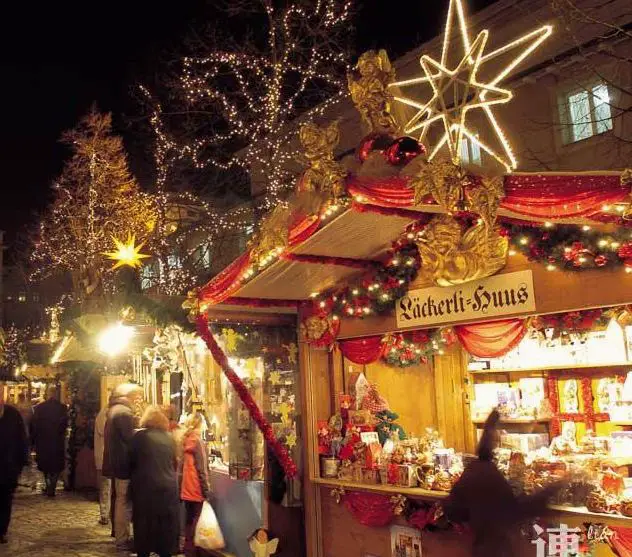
{"x": 193, "y": 469}
{"x": 154, "y": 492}
{"x": 13, "y": 446}
{"x": 118, "y": 434}
{"x": 99, "y": 437}
{"x": 48, "y": 432}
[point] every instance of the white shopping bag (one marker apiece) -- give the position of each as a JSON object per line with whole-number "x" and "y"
{"x": 208, "y": 534}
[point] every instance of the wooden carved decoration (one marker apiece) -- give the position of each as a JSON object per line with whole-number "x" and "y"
{"x": 368, "y": 85}
{"x": 453, "y": 256}
{"x": 324, "y": 174}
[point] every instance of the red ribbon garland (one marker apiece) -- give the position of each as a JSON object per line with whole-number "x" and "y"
{"x": 370, "y": 509}
{"x": 244, "y": 395}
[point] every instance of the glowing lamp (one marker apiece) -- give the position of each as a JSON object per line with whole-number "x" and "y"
{"x": 115, "y": 339}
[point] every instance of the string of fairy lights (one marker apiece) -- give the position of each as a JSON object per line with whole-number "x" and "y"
{"x": 257, "y": 95}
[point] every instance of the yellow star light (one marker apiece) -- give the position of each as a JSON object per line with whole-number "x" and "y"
{"x": 275, "y": 378}
{"x": 127, "y": 253}
{"x": 457, "y": 91}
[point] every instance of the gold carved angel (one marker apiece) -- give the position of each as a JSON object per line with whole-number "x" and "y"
{"x": 368, "y": 85}
{"x": 324, "y": 174}
{"x": 452, "y": 256}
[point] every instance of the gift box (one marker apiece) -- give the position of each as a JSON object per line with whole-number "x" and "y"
{"x": 373, "y": 453}
{"x": 370, "y": 476}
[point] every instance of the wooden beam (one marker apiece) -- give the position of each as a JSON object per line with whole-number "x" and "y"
{"x": 555, "y": 292}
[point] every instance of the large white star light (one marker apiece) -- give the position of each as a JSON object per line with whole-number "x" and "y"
{"x": 457, "y": 91}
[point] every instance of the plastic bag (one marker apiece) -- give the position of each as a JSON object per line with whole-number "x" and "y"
{"x": 208, "y": 534}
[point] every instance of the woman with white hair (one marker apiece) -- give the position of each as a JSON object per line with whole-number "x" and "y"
{"x": 154, "y": 487}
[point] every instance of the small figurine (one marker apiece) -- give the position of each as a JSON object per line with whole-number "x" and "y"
{"x": 571, "y": 400}
{"x": 565, "y": 443}
{"x": 261, "y": 545}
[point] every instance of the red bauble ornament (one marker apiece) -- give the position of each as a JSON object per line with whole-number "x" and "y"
{"x": 403, "y": 150}
{"x": 373, "y": 142}
{"x": 601, "y": 260}
{"x": 625, "y": 251}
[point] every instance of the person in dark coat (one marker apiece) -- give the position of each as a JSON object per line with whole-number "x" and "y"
{"x": 483, "y": 498}
{"x": 48, "y": 432}
{"x": 119, "y": 431}
{"x": 13, "y": 457}
{"x": 154, "y": 487}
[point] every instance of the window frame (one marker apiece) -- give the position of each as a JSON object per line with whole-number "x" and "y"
{"x": 568, "y": 126}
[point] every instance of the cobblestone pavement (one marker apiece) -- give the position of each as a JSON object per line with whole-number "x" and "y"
{"x": 64, "y": 526}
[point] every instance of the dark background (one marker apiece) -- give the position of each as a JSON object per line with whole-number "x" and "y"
{"x": 59, "y": 57}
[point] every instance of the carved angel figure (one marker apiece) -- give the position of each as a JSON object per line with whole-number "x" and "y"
{"x": 450, "y": 256}
{"x": 260, "y": 545}
{"x": 324, "y": 174}
{"x": 368, "y": 84}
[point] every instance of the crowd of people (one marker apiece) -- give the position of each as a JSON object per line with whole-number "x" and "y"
{"x": 152, "y": 474}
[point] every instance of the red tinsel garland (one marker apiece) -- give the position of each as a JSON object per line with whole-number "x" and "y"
{"x": 370, "y": 509}
{"x": 244, "y": 395}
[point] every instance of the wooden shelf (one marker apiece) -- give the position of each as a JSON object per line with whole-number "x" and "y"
{"x": 584, "y": 515}
{"x": 413, "y": 492}
{"x": 581, "y": 514}
{"x": 512, "y": 421}
{"x": 613, "y": 365}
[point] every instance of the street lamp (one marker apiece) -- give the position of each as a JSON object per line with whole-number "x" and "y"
{"x": 115, "y": 339}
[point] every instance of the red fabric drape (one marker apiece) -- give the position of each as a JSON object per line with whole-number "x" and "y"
{"x": 226, "y": 283}
{"x": 562, "y": 196}
{"x": 370, "y": 509}
{"x": 362, "y": 351}
{"x": 621, "y": 542}
{"x": 387, "y": 192}
{"x": 547, "y": 196}
{"x": 491, "y": 340}
{"x": 303, "y": 229}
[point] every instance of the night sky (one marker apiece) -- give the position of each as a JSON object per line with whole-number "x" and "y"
{"x": 59, "y": 57}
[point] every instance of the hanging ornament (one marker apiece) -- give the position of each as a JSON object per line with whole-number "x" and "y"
{"x": 625, "y": 251}
{"x": 601, "y": 260}
{"x": 373, "y": 142}
{"x": 403, "y": 150}
{"x": 127, "y": 253}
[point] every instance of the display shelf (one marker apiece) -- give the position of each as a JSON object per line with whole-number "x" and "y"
{"x": 583, "y": 514}
{"x": 579, "y": 513}
{"x": 413, "y": 492}
{"x": 514, "y": 421}
{"x": 614, "y": 365}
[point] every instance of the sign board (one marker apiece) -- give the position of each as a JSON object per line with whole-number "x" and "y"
{"x": 488, "y": 298}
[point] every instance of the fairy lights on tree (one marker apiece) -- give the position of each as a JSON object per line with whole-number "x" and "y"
{"x": 95, "y": 198}
{"x": 245, "y": 94}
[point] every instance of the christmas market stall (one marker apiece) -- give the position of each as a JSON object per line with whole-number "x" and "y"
{"x": 426, "y": 295}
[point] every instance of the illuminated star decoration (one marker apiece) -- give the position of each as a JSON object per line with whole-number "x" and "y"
{"x": 463, "y": 91}
{"x": 127, "y": 254}
{"x": 275, "y": 378}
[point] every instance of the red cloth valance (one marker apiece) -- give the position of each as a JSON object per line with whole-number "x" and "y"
{"x": 547, "y": 196}
{"x": 362, "y": 351}
{"x": 551, "y": 196}
{"x": 388, "y": 192}
{"x": 621, "y": 541}
{"x": 491, "y": 340}
{"x": 226, "y": 283}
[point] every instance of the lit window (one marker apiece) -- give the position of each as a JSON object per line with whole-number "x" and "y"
{"x": 174, "y": 262}
{"x": 470, "y": 151}
{"x": 36, "y": 298}
{"x": 22, "y": 297}
{"x": 588, "y": 112}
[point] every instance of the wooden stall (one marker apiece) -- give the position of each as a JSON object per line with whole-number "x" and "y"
{"x": 426, "y": 296}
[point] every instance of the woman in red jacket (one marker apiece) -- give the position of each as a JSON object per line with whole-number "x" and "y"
{"x": 194, "y": 480}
